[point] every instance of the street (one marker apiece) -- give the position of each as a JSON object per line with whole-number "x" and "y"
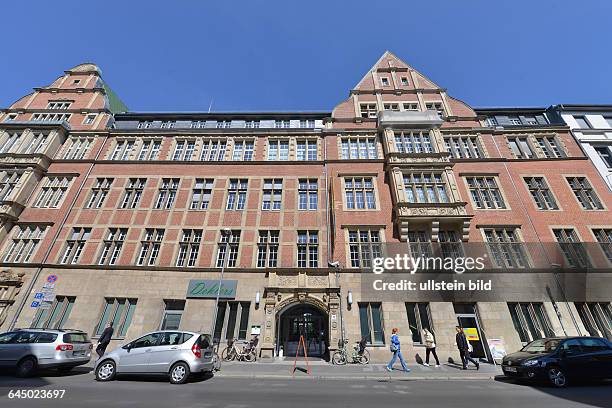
{"x": 303, "y": 391}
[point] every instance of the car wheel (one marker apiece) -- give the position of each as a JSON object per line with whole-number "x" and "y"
{"x": 179, "y": 373}
{"x": 557, "y": 377}
{"x": 106, "y": 371}
{"x": 26, "y": 367}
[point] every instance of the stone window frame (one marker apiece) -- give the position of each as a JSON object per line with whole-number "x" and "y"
{"x": 566, "y": 177}
{"x": 25, "y": 236}
{"x": 167, "y": 191}
{"x": 270, "y": 239}
{"x": 607, "y": 250}
{"x": 206, "y": 189}
{"x": 187, "y": 152}
{"x": 384, "y": 81}
{"x": 445, "y": 181}
{"x": 100, "y": 190}
{"x": 56, "y": 316}
{"x": 364, "y": 176}
{"x": 518, "y": 317}
{"x": 9, "y": 180}
{"x": 189, "y": 247}
{"x": 348, "y": 137}
{"x": 220, "y": 150}
{"x": 59, "y": 104}
{"x": 239, "y": 191}
{"x": 475, "y": 139}
{"x": 112, "y": 245}
{"x": 576, "y": 239}
{"x": 422, "y": 139}
{"x": 308, "y": 141}
{"x": 278, "y": 142}
{"x": 83, "y": 143}
{"x": 549, "y": 188}
{"x": 111, "y": 304}
{"x": 498, "y": 185}
{"x": 519, "y": 242}
{"x": 404, "y": 81}
{"x": 76, "y": 240}
{"x": 380, "y": 229}
{"x": 372, "y": 342}
{"x": 369, "y": 109}
{"x": 273, "y": 192}
{"x": 308, "y": 245}
{"x": 150, "y": 247}
{"x": 133, "y": 191}
{"x": 89, "y": 118}
{"x": 231, "y": 242}
{"x": 534, "y": 145}
{"x": 308, "y": 192}
{"x": 52, "y": 183}
{"x": 244, "y": 150}
{"x": 122, "y": 148}
{"x": 150, "y": 153}
{"x": 437, "y": 106}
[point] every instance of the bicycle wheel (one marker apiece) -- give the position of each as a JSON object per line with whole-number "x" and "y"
{"x": 228, "y": 354}
{"x": 339, "y": 358}
{"x": 249, "y": 357}
{"x": 363, "y": 359}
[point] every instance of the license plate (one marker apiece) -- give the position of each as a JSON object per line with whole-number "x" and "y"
{"x": 510, "y": 369}
{"x": 78, "y": 353}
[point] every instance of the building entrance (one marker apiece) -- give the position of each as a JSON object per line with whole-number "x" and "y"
{"x": 304, "y": 320}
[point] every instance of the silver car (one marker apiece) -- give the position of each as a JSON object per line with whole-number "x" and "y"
{"x": 30, "y": 349}
{"x": 172, "y": 352}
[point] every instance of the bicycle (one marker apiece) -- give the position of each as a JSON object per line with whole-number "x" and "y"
{"x": 233, "y": 351}
{"x": 359, "y": 354}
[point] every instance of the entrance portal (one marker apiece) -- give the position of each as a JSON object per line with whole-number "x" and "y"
{"x": 307, "y": 321}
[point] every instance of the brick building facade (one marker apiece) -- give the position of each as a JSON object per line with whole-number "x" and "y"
{"x": 137, "y": 214}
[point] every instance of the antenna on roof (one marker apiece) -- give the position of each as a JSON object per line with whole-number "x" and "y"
{"x": 210, "y": 106}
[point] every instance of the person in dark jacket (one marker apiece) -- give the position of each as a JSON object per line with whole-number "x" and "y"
{"x": 464, "y": 349}
{"x": 104, "y": 339}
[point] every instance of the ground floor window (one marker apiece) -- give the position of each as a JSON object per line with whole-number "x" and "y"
{"x": 597, "y": 318}
{"x": 173, "y": 312}
{"x": 56, "y": 316}
{"x": 232, "y": 321}
{"x": 119, "y": 311}
{"x": 530, "y": 321}
{"x": 370, "y": 318}
{"x": 419, "y": 318}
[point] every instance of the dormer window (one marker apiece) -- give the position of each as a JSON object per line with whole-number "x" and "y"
{"x": 11, "y": 116}
{"x": 58, "y": 105}
{"x": 404, "y": 81}
{"x": 168, "y": 124}
{"x": 252, "y": 124}
{"x": 384, "y": 81}
{"x": 437, "y": 106}
{"x": 491, "y": 121}
{"x": 514, "y": 120}
{"x": 145, "y": 124}
{"x": 531, "y": 120}
{"x": 368, "y": 110}
{"x": 224, "y": 124}
{"x": 391, "y": 107}
{"x": 284, "y": 124}
{"x": 76, "y": 82}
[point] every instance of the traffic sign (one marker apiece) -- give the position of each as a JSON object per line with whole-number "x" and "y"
{"x": 35, "y": 304}
{"x": 52, "y": 278}
{"x": 39, "y": 295}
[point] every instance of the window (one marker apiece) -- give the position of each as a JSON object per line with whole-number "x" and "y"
{"x": 531, "y": 120}
{"x": 364, "y": 245}
{"x": 368, "y": 110}
{"x": 189, "y": 247}
{"x": 272, "y": 194}
{"x": 149, "y": 150}
{"x": 391, "y": 107}
{"x": 145, "y": 124}
{"x": 51, "y": 117}
{"x": 410, "y": 106}
{"x": 307, "y": 123}
{"x": 282, "y": 124}
{"x": 582, "y": 122}
{"x": 150, "y": 246}
{"x": 505, "y": 248}
{"x": 604, "y": 237}
{"x": 549, "y": 146}
{"x": 78, "y": 147}
{"x": 530, "y": 321}
{"x": 307, "y": 150}
{"x": 198, "y": 124}
{"x": 436, "y": 106}
{"x": 173, "y": 312}
{"x": 183, "y": 150}
{"x": 359, "y": 148}
{"x": 419, "y": 243}
{"x": 119, "y": 311}
{"x": 236, "y": 197}
{"x": 89, "y": 119}
{"x": 425, "y": 188}
{"x": 133, "y": 192}
{"x": 571, "y": 247}
{"x": 384, "y": 81}
{"x": 370, "y": 319}
{"x": 485, "y": 193}
{"x": 419, "y": 318}
{"x": 168, "y": 124}
{"x": 243, "y": 150}
{"x": 202, "y": 192}
{"x": 75, "y": 244}
{"x": 56, "y": 316}
{"x": 492, "y": 121}
{"x": 597, "y": 318}
{"x": 228, "y": 247}
{"x": 167, "y": 193}
{"x": 520, "y": 147}
{"x": 213, "y": 150}
{"x": 51, "y": 192}
{"x": 413, "y": 142}
{"x": 359, "y": 193}
{"x": 11, "y": 117}
{"x": 63, "y": 105}
{"x": 24, "y": 243}
{"x": 10, "y": 141}
{"x": 308, "y": 249}
{"x": 112, "y": 246}
{"x": 278, "y": 150}
{"x": 605, "y": 154}
{"x": 404, "y": 81}
{"x": 450, "y": 244}
{"x": 463, "y": 147}
{"x": 514, "y": 120}
{"x": 232, "y": 321}
{"x": 251, "y": 124}
{"x": 267, "y": 249}
{"x": 37, "y": 143}
{"x": 8, "y": 181}
{"x": 584, "y": 193}
{"x": 308, "y": 194}
{"x": 540, "y": 193}
{"x": 99, "y": 191}
{"x": 224, "y": 124}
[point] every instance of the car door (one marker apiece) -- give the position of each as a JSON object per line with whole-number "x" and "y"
{"x": 573, "y": 358}
{"x": 135, "y": 355}
{"x": 164, "y": 354}
{"x": 598, "y": 357}
{"x": 6, "y": 355}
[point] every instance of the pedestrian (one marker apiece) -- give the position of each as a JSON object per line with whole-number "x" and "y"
{"x": 430, "y": 347}
{"x": 395, "y": 349}
{"x": 104, "y": 339}
{"x": 464, "y": 348}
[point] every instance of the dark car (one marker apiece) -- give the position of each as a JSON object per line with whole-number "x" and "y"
{"x": 560, "y": 360}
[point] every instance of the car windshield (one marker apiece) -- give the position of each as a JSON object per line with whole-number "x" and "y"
{"x": 541, "y": 346}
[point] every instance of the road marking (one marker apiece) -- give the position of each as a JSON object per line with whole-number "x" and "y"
{"x": 358, "y": 386}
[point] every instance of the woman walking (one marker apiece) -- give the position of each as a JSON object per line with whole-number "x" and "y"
{"x": 430, "y": 347}
{"x": 395, "y": 349}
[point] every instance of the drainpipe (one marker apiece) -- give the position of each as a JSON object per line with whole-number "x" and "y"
{"x": 39, "y": 270}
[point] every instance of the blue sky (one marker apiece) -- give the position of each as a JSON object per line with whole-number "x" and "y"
{"x": 306, "y": 55}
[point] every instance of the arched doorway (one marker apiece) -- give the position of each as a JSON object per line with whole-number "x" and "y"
{"x": 305, "y": 320}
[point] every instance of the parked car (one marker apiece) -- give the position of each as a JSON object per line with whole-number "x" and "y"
{"x": 172, "y": 352}
{"x": 30, "y": 349}
{"x": 560, "y": 360}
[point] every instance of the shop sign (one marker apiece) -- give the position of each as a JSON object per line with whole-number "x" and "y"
{"x": 208, "y": 289}
{"x": 471, "y": 333}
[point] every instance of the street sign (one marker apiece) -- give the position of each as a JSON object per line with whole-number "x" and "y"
{"x": 52, "y": 278}
{"x": 49, "y": 285}
{"x": 48, "y": 297}
{"x": 35, "y": 304}
{"x": 38, "y": 295}
{"x": 45, "y": 305}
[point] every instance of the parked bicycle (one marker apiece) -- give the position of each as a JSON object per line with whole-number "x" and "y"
{"x": 359, "y": 354}
{"x": 240, "y": 350}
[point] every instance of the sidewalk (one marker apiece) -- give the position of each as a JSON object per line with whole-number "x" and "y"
{"x": 322, "y": 370}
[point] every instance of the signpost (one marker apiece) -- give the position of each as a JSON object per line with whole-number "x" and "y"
{"x": 208, "y": 289}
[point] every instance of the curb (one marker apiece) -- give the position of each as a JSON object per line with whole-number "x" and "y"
{"x": 355, "y": 377}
